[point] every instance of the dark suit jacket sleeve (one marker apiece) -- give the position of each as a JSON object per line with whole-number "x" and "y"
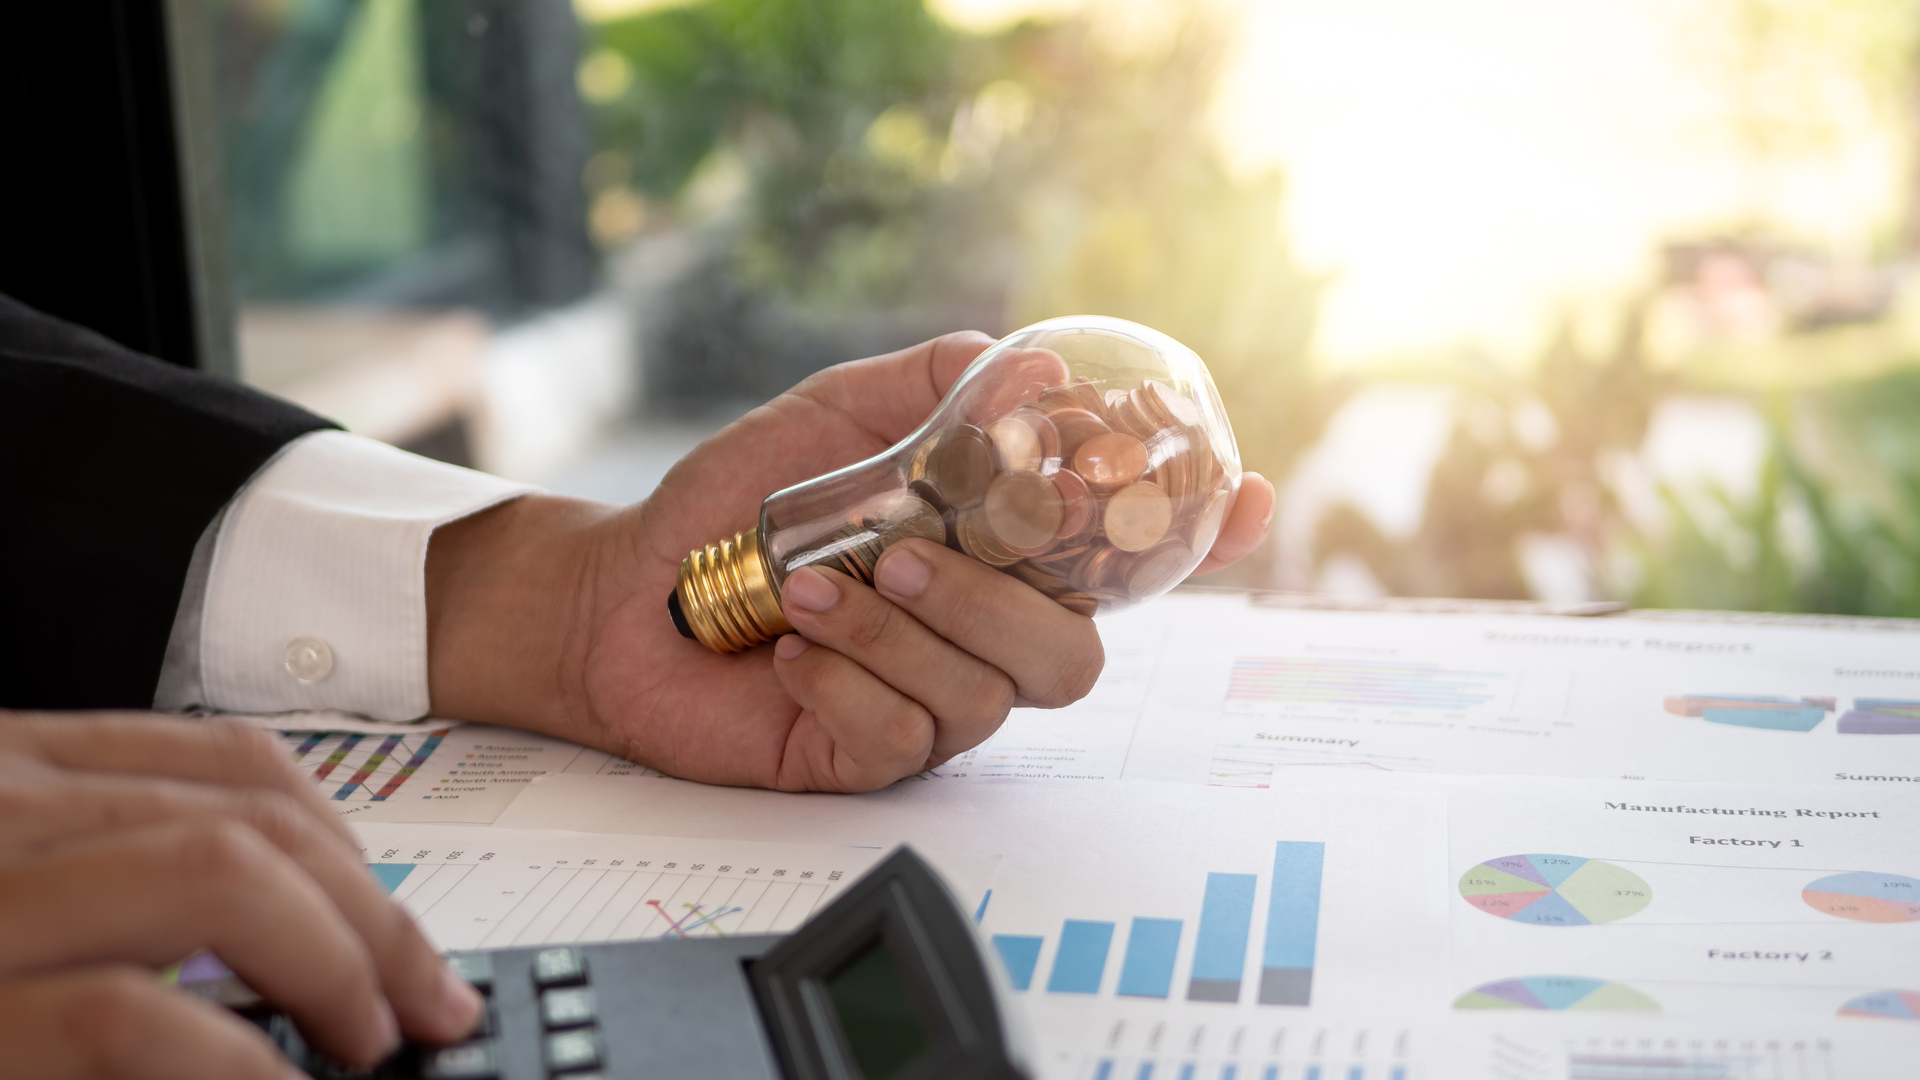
{"x": 111, "y": 466}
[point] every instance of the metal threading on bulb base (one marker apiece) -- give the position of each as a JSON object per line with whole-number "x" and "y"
{"x": 727, "y": 595}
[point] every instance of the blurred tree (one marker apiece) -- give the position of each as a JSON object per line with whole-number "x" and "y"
{"x": 1833, "y": 524}
{"x": 906, "y": 177}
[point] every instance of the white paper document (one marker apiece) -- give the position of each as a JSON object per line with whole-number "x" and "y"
{"x": 455, "y": 773}
{"x": 1213, "y": 689}
{"x": 482, "y": 888}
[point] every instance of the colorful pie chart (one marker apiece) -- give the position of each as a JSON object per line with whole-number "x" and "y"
{"x": 1754, "y": 710}
{"x": 1556, "y": 992}
{"x": 1866, "y": 897}
{"x": 1554, "y": 890}
{"x": 1885, "y": 1005}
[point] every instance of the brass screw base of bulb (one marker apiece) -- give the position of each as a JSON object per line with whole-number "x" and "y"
{"x": 727, "y": 593}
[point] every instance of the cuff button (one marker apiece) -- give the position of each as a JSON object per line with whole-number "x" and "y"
{"x": 309, "y": 659}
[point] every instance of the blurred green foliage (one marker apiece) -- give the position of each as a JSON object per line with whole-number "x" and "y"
{"x": 1833, "y": 522}
{"x": 891, "y": 161}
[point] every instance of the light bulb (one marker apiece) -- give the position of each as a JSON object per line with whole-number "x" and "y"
{"x": 1089, "y": 457}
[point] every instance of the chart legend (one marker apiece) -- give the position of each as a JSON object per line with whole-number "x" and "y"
{"x": 1864, "y": 896}
{"x": 1554, "y": 890}
{"x": 1556, "y": 992}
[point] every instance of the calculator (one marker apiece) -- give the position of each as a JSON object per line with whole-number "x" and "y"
{"x": 889, "y": 982}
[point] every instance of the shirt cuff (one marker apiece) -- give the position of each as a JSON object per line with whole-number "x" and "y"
{"x": 315, "y": 594}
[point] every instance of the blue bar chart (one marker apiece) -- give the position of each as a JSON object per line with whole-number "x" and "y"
{"x": 1293, "y": 923}
{"x": 1081, "y": 961}
{"x": 1220, "y": 952}
{"x": 1149, "y": 956}
{"x": 1152, "y": 946}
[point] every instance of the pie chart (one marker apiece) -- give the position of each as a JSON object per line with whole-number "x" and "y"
{"x": 1556, "y": 992}
{"x": 1885, "y": 1005}
{"x": 1866, "y": 897}
{"x": 1554, "y": 890}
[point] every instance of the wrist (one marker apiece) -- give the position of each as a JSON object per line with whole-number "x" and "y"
{"x": 508, "y": 594}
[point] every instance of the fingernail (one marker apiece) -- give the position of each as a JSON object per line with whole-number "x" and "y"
{"x": 386, "y": 1028}
{"x": 790, "y": 646}
{"x": 459, "y": 1003}
{"x": 811, "y": 590}
{"x": 902, "y": 573}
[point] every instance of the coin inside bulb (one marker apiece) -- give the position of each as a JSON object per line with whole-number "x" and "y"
{"x": 1024, "y": 508}
{"x": 962, "y": 466}
{"x": 1138, "y": 515}
{"x": 1110, "y": 462}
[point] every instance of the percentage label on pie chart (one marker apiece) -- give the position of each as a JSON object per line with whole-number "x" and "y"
{"x": 1865, "y": 896}
{"x": 1554, "y": 890}
{"x": 1885, "y": 1005}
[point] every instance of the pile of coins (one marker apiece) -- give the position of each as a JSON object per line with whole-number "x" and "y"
{"x": 1095, "y": 497}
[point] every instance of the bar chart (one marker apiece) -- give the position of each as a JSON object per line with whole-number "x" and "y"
{"x": 1150, "y": 949}
{"x": 351, "y": 767}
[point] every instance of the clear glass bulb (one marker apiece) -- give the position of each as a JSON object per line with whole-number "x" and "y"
{"x": 1089, "y": 457}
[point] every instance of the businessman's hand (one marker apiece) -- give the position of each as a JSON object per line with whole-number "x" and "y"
{"x": 129, "y": 843}
{"x": 551, "y": 613}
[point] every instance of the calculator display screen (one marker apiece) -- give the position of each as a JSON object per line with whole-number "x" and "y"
{"x": 883, "y": 1029}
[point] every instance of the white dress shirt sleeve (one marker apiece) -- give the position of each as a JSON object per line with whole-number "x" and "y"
{"x": 309, "y": 590}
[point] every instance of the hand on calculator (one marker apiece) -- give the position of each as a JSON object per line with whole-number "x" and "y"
{"x": 127, "y": 844}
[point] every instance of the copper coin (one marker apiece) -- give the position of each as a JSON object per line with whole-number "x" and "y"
{"x": 1110, "y": 462}
{"x": 962, "y": 466}
{"x": 1046, "y": 432}
{"x": 1174, "y": 405}
{"x": 1076, "y": 505}
{"x": 1079, "y": 603}
{"x": 1075, "y": 426}
{"x": 1099, "y": 565}
{"x": 909, "y": 516}
{"x": 930, "y": 495}
{"x": 1142, "y": 414}
{"x": 1160, "y": 569}
{"x": 1137, "y": 516}
{"x": 1023, "y": 509}
{"x": 977, "y": 541}
{"x": 1206, "y": 525}
{"x": 1039, "y": 578}
{"x": 1061, "y": 558}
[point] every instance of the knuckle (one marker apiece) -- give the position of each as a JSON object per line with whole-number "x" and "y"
{"x": 1073, "y": 677}
{"x": 874, "y": 626}
{"x": 111, "y": 1015}
{"x": 906, "y": 734}
{"x": 995, "y": 697}
{"x": 220, "y": 851}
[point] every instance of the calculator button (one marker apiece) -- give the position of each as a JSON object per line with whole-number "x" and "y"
{"x": 569, "y": 1007}
{"x": 489, "y": 1024}
{"x": 476, "y": 968}
{"x": 474, "y": 1061}
{"x": 570, "y": 1050}
{"x": 559, "y": 967}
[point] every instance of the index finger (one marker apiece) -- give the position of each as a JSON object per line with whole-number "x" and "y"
{"x": 888, "y": 396}
{"x": 1052, "y": 655}
{"x": 207, "y": 751}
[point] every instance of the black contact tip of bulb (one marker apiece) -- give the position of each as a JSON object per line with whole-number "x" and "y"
{"x": 679, "y": 616}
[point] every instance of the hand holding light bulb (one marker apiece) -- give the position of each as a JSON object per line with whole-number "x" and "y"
{"x": 881, "y": 679}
